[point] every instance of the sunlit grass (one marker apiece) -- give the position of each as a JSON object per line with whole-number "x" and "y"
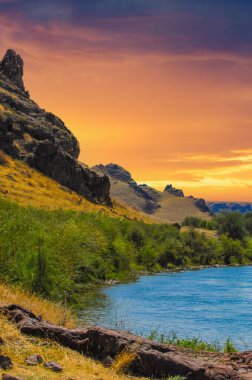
{"x": 25, "y": 186}
{"x": 18, "y": 346}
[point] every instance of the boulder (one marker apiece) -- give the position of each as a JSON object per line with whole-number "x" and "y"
{"x": 53, "y": 366}
{"x": 33, "y": 360}
{"x": 5, "y": 376}
{"x": 5, "y": 362}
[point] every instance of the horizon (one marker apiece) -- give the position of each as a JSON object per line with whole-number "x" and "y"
{"x": 163, "y": 89}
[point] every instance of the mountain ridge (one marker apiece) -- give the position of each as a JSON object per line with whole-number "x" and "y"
{"x": 161, "y": 206}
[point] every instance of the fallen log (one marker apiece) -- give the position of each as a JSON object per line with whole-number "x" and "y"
{"x": 151, "y": 359}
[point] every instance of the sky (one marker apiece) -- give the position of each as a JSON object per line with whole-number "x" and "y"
{"x": 161, "y": 87}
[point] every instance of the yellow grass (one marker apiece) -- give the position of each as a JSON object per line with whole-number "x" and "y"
{"x": 8, "y": 93}
{"x": 123, "y": 361}
{"x": 21, "y": 184}
{"x": 18, "y": 346}
{"x": 52, "y": 312}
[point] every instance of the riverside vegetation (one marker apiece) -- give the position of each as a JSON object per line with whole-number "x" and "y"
{"x": 61, "y": 252}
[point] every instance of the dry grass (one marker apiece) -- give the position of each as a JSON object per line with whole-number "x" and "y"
{"x": 208, "y": 233}
{"x": 123, "y": 361}
{"x": 18, "y": 346}
{"x": 173, "y": 209}
{"x": 76, "y": 366}
{"x": 52, "y": 312}
{"x": 21, "y": 184}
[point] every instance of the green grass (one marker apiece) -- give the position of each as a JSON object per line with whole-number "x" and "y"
{"x": 193, "y": 343}
{"x": 59, "y": 253}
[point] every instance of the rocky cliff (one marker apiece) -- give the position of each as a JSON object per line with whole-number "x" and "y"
{"x": 41, "y": 139}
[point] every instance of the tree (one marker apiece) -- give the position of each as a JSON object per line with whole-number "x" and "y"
{"x": 232, "y": 225}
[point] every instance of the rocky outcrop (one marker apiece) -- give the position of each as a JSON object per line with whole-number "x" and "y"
{"x": 12, "y": 67}
{"x": 201, "y": 204}
{"x": 41, "y": 139}
{"x": 173, "y": 191}
{"x": 150, "y": 359}
{"x": 148, "y": 194}
{"x": 169, "y": 206}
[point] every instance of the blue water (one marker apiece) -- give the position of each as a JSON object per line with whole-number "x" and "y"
{"x": 213, "y": 304}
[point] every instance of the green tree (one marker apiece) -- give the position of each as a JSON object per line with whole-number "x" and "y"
{"x": 231, "y": 224}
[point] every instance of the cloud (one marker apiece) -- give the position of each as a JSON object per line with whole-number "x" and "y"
{"x": 143, "y": 26}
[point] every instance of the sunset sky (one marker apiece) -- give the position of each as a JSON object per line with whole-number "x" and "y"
{"x": 161, "y": 87}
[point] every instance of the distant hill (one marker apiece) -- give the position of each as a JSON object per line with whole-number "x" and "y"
{"x": 217, "y": 207}
{"x": 170, "y": 206}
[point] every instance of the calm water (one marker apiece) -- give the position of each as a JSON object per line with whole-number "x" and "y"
{"x": 213, "y": 304}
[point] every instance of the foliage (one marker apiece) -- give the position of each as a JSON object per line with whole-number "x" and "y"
{"x": 193, "y": 221}
{"x": 231, "y": 224}
{"x": 58, "y": 253}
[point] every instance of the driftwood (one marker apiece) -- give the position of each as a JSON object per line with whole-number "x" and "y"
{"x": 151, "y": 359}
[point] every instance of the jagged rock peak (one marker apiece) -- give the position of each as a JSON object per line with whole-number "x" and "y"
{"x": 12, "y": 66}
{"x": 172, "y": 190}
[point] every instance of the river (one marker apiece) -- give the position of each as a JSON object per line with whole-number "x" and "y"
{"x": 213, "y": 304}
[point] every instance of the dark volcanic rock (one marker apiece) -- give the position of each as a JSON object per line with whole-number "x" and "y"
{"x": 41, "y": 139}
{"x": 12, "y": 67}
{"x": 173, "y": 191}
{"x": 5, "y": 376}
{"x": 55, "y": 367}
{"x": 151, "y": 359}
{"x": 117, "y": 172}
{"x": 5, "y": 362}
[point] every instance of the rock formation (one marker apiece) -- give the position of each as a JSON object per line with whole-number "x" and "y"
{"x": 41, "y": 139}
{"x": 169, "y": 206}
{"x": 147, "y": 194}
{"x": 150, "y": 359}
{"x": 12, "y": 67}
{"x": 172, "y": 190}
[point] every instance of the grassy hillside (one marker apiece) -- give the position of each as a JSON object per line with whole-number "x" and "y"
{"x": 18, "y": 346}
{"x": 172, "y": 209}
{"x": 28, "y": 187}
{"x": 175, "y": 209}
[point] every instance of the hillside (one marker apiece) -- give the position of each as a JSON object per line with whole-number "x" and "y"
{"x": 40, "y": 139}
{"x": 169, "y": 206}
{"x": 26, "y": 186}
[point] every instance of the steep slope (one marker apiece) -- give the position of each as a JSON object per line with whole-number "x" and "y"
{"x": 26, "y": 186}
{"x": 41, "y": 139}
{"x": 169, "y": 206}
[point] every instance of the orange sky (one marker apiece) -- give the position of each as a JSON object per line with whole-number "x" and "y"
{"x": 180, "y": 119}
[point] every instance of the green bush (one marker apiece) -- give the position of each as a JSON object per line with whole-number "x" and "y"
{"x": 60, "y": 252}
